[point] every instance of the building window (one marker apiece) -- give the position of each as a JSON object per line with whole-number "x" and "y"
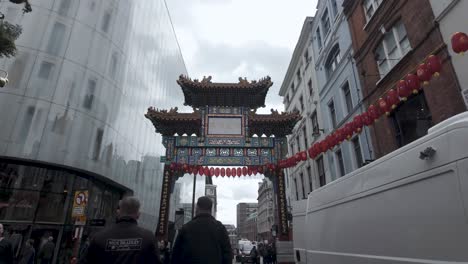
{"x": 298, "y": 75}
{"x": 347, "y": 97}
{"x": 321, "y": 171}
{"x": 98, "y": 143}
{"x": 106, "y": 21}
{"x": 301, "y": 102}
{"x": 370, "y": 6}
{"x": 306, "y": 57}
{"x": 357, "y": 152}
{"x": 325, "y": 22}
{"x": 298, "y": 144}
{"x": 319, "y": 38}
{"x": 309, "y": 174}
{"x": 64, "y": 7}
{"x": 304, "y": 134}
{"x": 57, "y": 35}
{"x": 393, "y": 47}
{"x": 331, "y": 109}
{"x": 292, "y": 87}
{"x": 303, "y": 188}
{"x": 297, "y": 192}
{"x": 291, "y": 145}
{"x": 412, "y": 120}
{"x": 315, "y": 127}
{"x": 45, "y": 70}
{"x": 89, "y": 97}
{"x": 333, "y": 61}
{"x": 311, "y": 90}
{"x": 339, "y": 158}
{"x": 287, "y": 99}
{"x": 334, "y": 8}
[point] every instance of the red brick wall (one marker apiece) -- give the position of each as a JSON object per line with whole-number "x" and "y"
{"x": 442, "y": 95}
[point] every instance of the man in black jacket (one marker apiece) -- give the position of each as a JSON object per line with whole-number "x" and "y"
{"x": 202, "y": 240}
{"x": 124, "y": 242}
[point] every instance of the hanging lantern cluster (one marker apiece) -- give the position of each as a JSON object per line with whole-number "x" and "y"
{"x": 411, "y": 84}
{"x": 221, "y": 172}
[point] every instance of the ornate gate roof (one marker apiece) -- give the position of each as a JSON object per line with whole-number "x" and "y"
{"x": 244, "y": 93}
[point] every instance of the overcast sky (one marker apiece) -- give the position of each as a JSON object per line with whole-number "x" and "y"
{"x": 228, "y": 39}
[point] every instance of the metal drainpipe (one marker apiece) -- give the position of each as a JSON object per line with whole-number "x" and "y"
{"x": 361, "y": 104}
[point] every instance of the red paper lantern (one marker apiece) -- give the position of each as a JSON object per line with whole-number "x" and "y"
{"x": 424, "y": 74}
{"x": 260, "y": 169}
{"x": 249, "y": 171}
{"x": 233, "y": 172}
{"x": 434, "y": 65}
{"x": 239, "y": 172}
{"x": 323, "y": 146}
{"x": 392, "y": 98}
{"x": 206, "y": 171}
{"x": 348, "y": 130}
{"x": 374, "y": 112}
{"x": 244, "y": 171}
{"x": 311, "y": 152}
{"x": 228, "y": 172}
{"x": 366, "y": 120}
{"x": 412, "y": 81}
{"x": 212, "y": 171}
{"x": 403, "y": 90}
{"x": 194, "y": 170}
{"x": 384, "y": 107}
{"x": 303, "y": 156}
{"x": 358, "y": 123}
{"x": 217, "y": 172}
{"x": 223, "y": 172}
{"x": 172, "y": 166}
{"x": 255, "y": 170}
{"x": 460, "y": 42}
{"x": 200, "y": 170}
{"x": 297, "y": 157}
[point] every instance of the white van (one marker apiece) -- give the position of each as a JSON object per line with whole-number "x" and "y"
{"x": 410, "y": 206}
{"x": 244, "y": 248}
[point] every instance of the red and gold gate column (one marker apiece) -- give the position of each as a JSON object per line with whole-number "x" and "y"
{"x": 162, "y": 228}
{"x": 283, "y": 228}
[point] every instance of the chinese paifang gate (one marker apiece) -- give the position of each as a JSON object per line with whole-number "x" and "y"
{"x": 220, "y": 132}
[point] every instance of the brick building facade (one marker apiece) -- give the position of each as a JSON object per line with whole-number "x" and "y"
{"x": 390, "y": 39}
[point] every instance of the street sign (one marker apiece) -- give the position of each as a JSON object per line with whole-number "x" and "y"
{"x": 162, "y": 159}
{"x": 79, "y": 203}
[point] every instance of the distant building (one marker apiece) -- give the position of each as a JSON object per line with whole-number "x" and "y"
{"x": 266, "y": 210}
{"x": 232, "y": 232}
{"x": 175, "y": 201}
{"x": 244, "y": 210}
{"x": 210, "y": 191}
{"x": 251, "y": 227}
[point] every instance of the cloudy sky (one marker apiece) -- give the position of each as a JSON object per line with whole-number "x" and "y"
{"x": 228, "y": 39}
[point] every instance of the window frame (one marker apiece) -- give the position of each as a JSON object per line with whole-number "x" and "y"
{"x": 349, "y": 106}
{"x": 324, "y": 19}
{"x": 333, "y": 61}
{"x": 315, "y": 124}
{"x": 321, "y": 171}
{"x": 340, "y": 162}
{"x": 356, "y": 143}
{"x": 383, "y": 46}
{"x": 332, "y": 112}
{"x": 375, "y": 4}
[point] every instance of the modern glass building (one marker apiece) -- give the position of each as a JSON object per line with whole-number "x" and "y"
{"x": 72, "y": 116}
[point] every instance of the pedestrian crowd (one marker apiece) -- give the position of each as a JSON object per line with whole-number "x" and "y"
{"x": 204, "y": 240}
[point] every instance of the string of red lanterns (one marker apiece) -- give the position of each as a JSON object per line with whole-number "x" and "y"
{"x": 412, "y": 84}
{"x": 222, "y": 172}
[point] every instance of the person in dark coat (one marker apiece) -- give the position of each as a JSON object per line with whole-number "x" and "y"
{"x": 46, "y": 254}
{"x": 124, "y": 242}
{"x": 6, "y": 249}
{"x": 254, "y": 255}
{"x": 202, "y": 240}
{"x": 28, "y": 254}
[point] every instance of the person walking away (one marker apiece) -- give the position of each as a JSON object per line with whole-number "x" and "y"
{"x": 28, "y": 254}
{"x": 202, "y": 240}
{"x": 254, "y": 255}
{"x": 46, "y": 254}
{"x": 124, "y": 242}
{"x": 6, "y": 249}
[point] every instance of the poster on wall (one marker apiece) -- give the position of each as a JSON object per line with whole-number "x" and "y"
{"x": 79, "y": 203}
